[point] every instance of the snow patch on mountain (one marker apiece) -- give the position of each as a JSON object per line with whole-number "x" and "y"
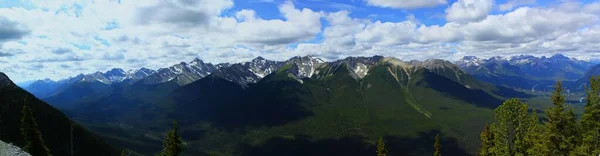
{"x": 305, "y": 67}
{"x": 361, "y": 70}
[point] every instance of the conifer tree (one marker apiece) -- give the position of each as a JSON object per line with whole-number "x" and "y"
{"x": 436, "y": 146}
{"x": 172, "y": 143}
{"x": 34, "y": 143}
{"x": 514, "y": 128}
{"x": 487, "y": 141}
{"x": 560, "y": 125}
{"x": 590, "y": 121}
{"x": 381, "y": 151}
{"x": 535, "y": 137}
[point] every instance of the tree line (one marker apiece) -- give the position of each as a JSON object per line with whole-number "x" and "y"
{"x": 517, "y": 131}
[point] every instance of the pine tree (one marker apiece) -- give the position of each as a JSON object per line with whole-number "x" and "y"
{"x": 487, "y": 141}
{"x": 590, "y": 121}
{"x": 514, "y": 128}
{"x": 436, "y": 146}
{"x": 536, "y": 137}
{"x": 560, "y": 125}
{"x": 381, "y": 151}
{"x": 172, "y": 143}
{"x": 34, "y": 143}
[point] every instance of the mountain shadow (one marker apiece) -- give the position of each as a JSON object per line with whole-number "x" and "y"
{"x": 511, "y": 93}
{"x": 477, "y": 97}
{"x": 65, "y": 95}
{"x": 301, "y": 145}
{"x": 226, "y": 104}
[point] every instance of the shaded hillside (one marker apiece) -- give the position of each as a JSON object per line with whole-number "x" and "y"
{"x": 63, "y": 97}
{"x": 583, "y": 82}
{"x": 54, "y": 126}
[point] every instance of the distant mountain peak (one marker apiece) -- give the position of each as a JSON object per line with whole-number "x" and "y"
{"x": 559, "y": 56}
{"x": 197, "y": 60}
{"x": 470, "y": 58}
{"x": 47, "y": 80}
{"x": 259, "y": 58}
{"x": 119, "y": 70}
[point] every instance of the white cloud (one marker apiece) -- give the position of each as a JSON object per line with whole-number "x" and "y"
{"x": 299, "y": 25}
{"x": 107, "y": 34}
{"x": 464, "y": 11}
{"x": 592, "y": 8}
{"x": 11, "y": 30}
{"x": 509, "y": 5}
{"x": 406, "y": 4}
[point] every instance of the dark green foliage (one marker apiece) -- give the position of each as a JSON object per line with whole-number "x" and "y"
{"x": 34, "y": 143}
{"x": 381, "y": 151}
{"x": 55, "y": 126}
{"x": 436, "y": 146}
{"x": 172, "y": 144}
{"x": 487, "y": 141}
{"x": 518, "y": 133}
{"x": 559, "y": 138}
{"x": 590, "y": 121}
{"x": 513, "y": 132}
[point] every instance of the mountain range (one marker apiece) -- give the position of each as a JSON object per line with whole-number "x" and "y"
{"x": 520, "y": 72}
{"x": 283, "y": 98}
{"x": 251, "y": 108}
{"x": 526, "y": 72}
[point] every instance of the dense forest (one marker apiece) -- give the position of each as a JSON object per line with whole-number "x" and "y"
{"x": 518, "y": 131}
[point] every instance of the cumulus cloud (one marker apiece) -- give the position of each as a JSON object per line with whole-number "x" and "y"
{"x": 299, "y": 25}
{"x": 464, "y": 11}
{"x": 11, "y": 30}
{"x": 61, "y": 51}
{"x": 593, "y": 8}
{"x": 406, "y": 4}
{"x": 5, "y": 54}
{"x": 186, "y": 13}
{"x": 156, "y": 33}
{"x": 509, "y": 5}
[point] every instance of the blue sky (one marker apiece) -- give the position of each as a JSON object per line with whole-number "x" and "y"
{"x": 56, "y": 39}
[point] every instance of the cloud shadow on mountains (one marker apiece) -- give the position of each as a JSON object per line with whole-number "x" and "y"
{"x": 448, "y": 87}
{"x": 227, "y": 105}
{"x": 301, "y": 145}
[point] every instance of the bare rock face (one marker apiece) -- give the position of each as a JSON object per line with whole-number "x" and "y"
{"x": 11, "y": 150}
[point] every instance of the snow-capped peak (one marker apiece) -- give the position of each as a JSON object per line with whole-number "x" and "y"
{"x": 262, "y": 67}
{"x": 306, "y": 66}
{"x": 467, "y": 61}
{"x": 139, "y": 73}
{"x": 115, "y": 75}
